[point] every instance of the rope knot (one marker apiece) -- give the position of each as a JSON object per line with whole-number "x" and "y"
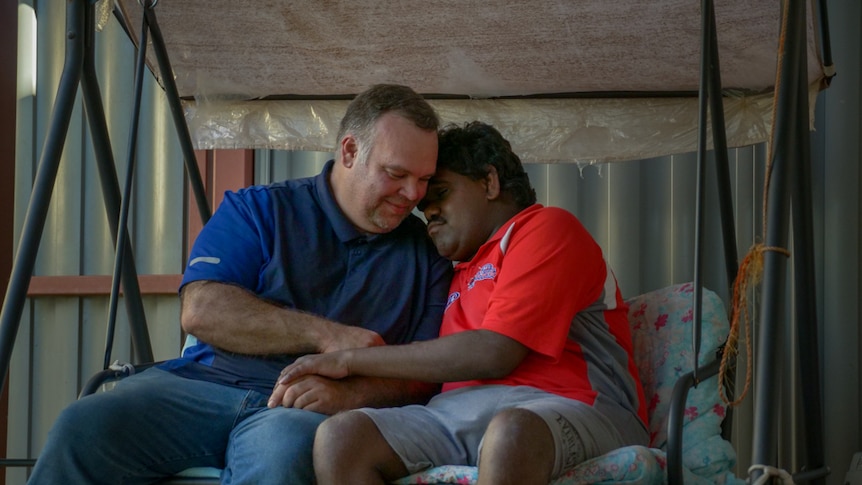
{"x": 749, "y": 275}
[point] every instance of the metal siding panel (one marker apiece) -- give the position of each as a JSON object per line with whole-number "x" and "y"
{"x": 94, "y": 318}
{"x": 624, "y": 227}
{"x": 163, "y": 320}
{"x": 564, "y": 186}
{"x": 656, "y": 223}
{"x": 262, "y": 165}
{"x": 18, "y": 439}
{"x": 280, "y": 167}
{"x": 306, "y": 164}
{"x": 714, "y": 273}
{"x": 841, "y": 154}
{"x": 55, "y": 322}
{"x": 747, "y": 181}
{"x": 58, "y": 252}
{"x": 538, "y": 174}
{"x": 591, "y": 198}
{"x": 682, "y": 187}
{"x": 114, "y": 66}
{"x": 68, "y": 340}
{"x": 159, "y": 194}
{"x": 96, "y": 238}
{"x": 277, "y": 165}
{"x": 25, "y": 166}
{"x": 55, "y": 363}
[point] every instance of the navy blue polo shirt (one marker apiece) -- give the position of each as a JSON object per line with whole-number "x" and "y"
{"x": 290, "y": 244}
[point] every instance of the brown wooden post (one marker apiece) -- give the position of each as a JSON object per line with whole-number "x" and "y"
{"x": 221, "y": 170}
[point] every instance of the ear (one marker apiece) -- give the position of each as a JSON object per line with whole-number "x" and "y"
{"x": 492, "y": 184}
{"x": 349, "y": 150}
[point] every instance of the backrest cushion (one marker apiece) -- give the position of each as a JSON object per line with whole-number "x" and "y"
{"x": 662, "y": 334}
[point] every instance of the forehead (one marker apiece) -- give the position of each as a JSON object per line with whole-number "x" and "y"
{"x": 447, "y": 177}
{"x": 400, "y": 144}
{"x": 456, "y": 185}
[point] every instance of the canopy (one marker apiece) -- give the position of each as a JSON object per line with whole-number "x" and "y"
{"x": 563, "y": 80}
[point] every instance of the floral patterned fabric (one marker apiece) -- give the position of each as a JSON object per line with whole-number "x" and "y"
{"x": 662, "y": 323}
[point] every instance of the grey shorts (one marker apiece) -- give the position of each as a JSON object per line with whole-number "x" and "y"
{"x": 449, "y": 429}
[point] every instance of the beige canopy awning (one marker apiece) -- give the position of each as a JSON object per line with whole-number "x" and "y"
{"x": 565, "y": 81}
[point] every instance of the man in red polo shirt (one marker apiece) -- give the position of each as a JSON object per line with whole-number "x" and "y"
{"x": 535, "y": 349}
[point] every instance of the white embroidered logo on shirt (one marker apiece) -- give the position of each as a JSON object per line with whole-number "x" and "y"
{"x": 486, "y": 272}
{"x": 454, "y": 296}
{"x": 204, "y": 259}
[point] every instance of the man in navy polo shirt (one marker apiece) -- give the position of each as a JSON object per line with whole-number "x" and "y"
{"x": 313, "y": 265}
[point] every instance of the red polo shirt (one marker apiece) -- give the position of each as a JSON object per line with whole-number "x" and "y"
{"x": 542, "y": 280}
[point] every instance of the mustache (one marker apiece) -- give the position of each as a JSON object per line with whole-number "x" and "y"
{"x": 435, "y": 219}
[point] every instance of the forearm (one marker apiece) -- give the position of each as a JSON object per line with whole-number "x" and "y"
{"x": 463, "y": 356}
{"x": 236, "y": 320}
{"x": 477, "y": 354}
{"x": 380, "y": 392}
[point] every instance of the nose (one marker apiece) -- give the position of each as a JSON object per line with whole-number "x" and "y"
{"x": 428, "y": 208}
{"x": 414, "y": 189}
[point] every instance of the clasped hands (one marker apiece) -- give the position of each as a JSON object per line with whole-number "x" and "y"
{"x": 315, "y": 381}
{"x": 309, "y": 379}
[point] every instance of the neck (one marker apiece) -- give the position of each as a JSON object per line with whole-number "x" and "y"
{"x": 501, "y": 215}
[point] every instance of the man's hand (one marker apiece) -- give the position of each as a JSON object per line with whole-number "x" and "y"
{"x": 315, "y": 393}
{"x": 289, "y": 389}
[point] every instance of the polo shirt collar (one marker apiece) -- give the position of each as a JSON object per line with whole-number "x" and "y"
{"x": 501, "y": 232}
{"x": 342, "y": 226}
{"x": 505, "y": 227}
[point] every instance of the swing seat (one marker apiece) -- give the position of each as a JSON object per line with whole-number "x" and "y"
{"x": 662, "y": 324}
{"x": 662, "y": 327}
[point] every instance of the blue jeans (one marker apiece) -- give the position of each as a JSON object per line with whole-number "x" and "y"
{"x": 155, "y": 424}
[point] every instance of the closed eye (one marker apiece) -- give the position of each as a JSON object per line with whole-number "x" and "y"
{"x": 434, "y": 195}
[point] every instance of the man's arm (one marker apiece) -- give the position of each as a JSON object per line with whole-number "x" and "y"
{"x": 234, "y": 319}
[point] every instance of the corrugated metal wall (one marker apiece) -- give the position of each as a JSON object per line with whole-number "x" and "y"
{"x": 641, "y": 213}
{"x": 837, "y": 182}
{"x": 61, "y": 340}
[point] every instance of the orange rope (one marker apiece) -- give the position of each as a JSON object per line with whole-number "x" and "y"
{"x": 751, "y": 267}
{"x": 750, "y": 272}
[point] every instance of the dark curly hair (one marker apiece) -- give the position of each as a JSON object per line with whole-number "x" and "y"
{"x": 471, "y": 149}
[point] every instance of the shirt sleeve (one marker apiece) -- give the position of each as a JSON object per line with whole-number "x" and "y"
{"x": 552, "y": 269}
{"x": 438, "y": 292}
{"x": 230, "y": 248}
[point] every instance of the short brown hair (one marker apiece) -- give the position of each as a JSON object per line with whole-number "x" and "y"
{"x": 368, "y": 106}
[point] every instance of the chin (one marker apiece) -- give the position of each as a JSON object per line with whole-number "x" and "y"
{"x": 446, "y": 253}
{"x": 386, "y": 224}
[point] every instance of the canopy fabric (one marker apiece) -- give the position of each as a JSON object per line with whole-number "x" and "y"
{"x": 619, "y": 79}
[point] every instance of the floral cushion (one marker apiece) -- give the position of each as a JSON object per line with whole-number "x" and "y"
{"x": 662, "y": 335}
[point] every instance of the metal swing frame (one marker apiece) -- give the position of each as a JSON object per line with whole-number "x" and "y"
{"x": 788, "y": 183}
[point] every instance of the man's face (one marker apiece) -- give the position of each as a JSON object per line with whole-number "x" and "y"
{"x": 456, "y": 208}
{"x": 384, "y": 188}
